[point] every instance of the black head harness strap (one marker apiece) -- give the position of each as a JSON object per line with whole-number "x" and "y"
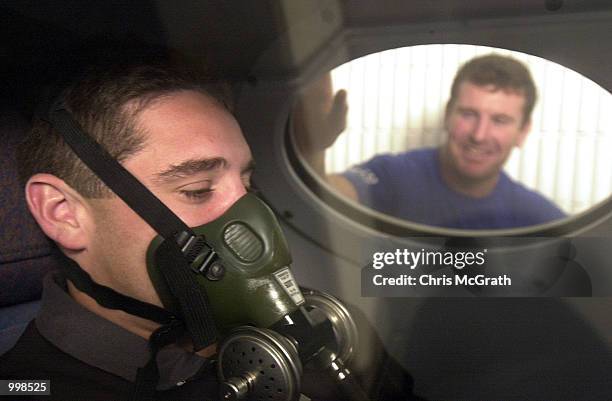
{"x": 174, "y": 256}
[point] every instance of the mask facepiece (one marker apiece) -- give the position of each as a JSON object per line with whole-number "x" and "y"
{"x": 269, "y": 328}
{"x": 248, "y": 281}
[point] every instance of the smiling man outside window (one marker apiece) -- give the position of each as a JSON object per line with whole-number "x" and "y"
{"x": 458, "y": 185}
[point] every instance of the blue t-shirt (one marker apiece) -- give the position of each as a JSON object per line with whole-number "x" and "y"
{"x": 410, "y": 186}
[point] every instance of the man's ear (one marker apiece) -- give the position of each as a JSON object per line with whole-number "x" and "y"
{"x": 59, "y": 211}
{"x": 523, "y": 133}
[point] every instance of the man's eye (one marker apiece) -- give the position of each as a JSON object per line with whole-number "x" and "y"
{"x": 467, "y": 113}
{"x": 197, "y": 194}
{"x": 502, "y": 120}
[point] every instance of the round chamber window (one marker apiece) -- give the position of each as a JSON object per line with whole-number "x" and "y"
{"x": 458, "y": 136}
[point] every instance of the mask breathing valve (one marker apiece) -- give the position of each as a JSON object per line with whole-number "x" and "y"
{"x": 266, "y": 364}
{"x": 259, "y": 364}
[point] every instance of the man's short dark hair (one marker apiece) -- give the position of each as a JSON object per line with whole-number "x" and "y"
{"x": 105, "y": 104}
{"x": 503, "y": 73}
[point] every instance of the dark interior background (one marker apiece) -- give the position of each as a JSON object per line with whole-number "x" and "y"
{"x": 43, "y": 41}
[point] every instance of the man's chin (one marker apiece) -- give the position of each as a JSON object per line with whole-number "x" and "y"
{"x": 478, "y": 168}
{"x": 477, "y": 176}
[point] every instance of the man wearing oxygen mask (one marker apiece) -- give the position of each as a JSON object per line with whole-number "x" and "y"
{"x": 140, "y": 176}
{"x": 182, "y": 144}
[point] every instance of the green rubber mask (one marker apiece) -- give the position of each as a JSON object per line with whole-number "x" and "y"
{"x": 249, "y": 281}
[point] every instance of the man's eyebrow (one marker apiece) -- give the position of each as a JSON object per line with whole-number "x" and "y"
{"x": 190, "y": 167}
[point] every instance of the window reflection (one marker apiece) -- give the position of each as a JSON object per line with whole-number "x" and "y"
{"x": 382, "y": 130}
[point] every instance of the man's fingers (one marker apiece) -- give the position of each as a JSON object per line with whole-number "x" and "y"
{"x": 338, "y": 113}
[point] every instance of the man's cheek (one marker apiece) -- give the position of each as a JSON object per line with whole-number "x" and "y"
{"x": 459, "y": 135}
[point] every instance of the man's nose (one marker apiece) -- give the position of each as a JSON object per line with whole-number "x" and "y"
{"x": 481, "y": 129}
{"x": 233, "y": 191}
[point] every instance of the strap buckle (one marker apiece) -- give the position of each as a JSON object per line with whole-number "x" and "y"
{"x": 199, "y": 254}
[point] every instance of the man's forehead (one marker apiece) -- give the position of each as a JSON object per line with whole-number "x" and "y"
{"x": 174, "y": 99}
{"x": 187, "y": 131}
{"x": 492, "y": 88}
{"x": 187, "y": 115}
{"x": 505, "y": 100}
